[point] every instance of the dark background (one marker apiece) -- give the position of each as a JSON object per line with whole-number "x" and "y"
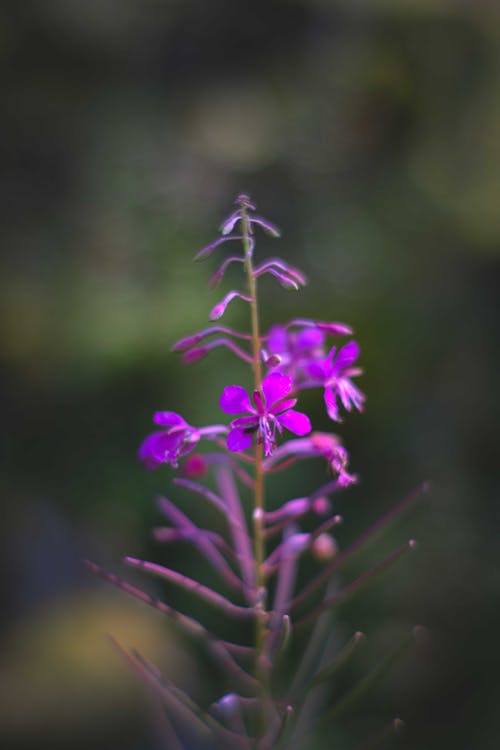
{"x": 369, "y": 131}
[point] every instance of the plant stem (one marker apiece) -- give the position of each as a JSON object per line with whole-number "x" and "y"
{"x": 258, "y": 529}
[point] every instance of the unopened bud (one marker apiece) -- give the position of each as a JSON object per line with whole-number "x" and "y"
{"x": 321, "y": 506}
{"x": 324, "y": 547}
{"x": 194, "y": 466}
{"x": 193, "y": 355}
{"x": 273, "y": 360}
{"x": 335, "y": 329}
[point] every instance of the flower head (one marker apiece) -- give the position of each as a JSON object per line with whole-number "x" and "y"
{"x": 335, "y": 373}
{"x": 294, "y": 350}
{"x": 168, "y": 445}
{"x": 269, "y": 413}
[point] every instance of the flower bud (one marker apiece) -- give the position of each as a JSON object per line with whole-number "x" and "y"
{"x": 194, "y": 466}
{"x": 321, "y": 506}
{"x": 324, "y": 547}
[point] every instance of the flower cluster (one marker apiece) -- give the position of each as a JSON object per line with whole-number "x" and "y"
{"x": 286, "y": 360}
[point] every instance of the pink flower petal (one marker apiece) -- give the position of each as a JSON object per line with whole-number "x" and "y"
{"x": 329, "y": 362}
{"x": 257, "y": 399}
{"x": 316, "y": 370}
{"x": 276, "y": 339}
{"x": 334, "y": 329}
{"x": 239, "y": 440}
{"x": 296, "y": 422}
{"x": 345, "y": 357}
{"x": 288, "y": 403}
{"x": 158, "y": 448}
{"x": 331, "y": 404}
{"x": 350, "y": 395}
{"x": 309, "y": 338}
{"x": 235, "y": 400}
{"x": 275, "y": 387}
{"x": 169, "y": 419}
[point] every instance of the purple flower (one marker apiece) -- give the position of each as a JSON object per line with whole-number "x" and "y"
{"x": 179, "y": 438}
{"x": 168, "y": 445}
{"x": 270, "y": 413}
{"x": 295, "y": 350}
{"x": 335, "y": 373}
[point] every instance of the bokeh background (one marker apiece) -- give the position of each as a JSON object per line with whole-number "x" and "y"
{"x": 369, "y": 131}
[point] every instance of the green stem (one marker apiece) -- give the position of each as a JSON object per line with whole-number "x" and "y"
{"x": 258, "y": 527}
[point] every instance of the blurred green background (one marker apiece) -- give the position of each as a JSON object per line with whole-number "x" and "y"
{"x": 369, "y": 131}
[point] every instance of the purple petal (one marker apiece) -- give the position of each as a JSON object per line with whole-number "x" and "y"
{"x": 331, "y": 404}
{"x": 317, "y": 370}
{"x": 335, "y": 329}
{"x": 345, "y": 357}
{"x": 239, "y": 440}
{"x": 329, "y": 362}
{"x": 169, "y": 419}
{"x": 155, "y": 448}
{"x": 276, "y": 340}
{"x": 257, "y": 399}
{"x": 275, "y": 387}
{"x": 288, "y": 403}
{"x": 235, "y": 400}
{"x": 310, "y": 338}
{"x": 186, "y": 446}
{"x": 350, "y": 394}
{"x": 296, "y": 422}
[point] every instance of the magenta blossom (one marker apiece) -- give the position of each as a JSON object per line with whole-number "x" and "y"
{"x": 170, "y": 444}
{"x": 335, "y": 373}
{"x": 272, "y": 412}
{"x": 294, "y": 350}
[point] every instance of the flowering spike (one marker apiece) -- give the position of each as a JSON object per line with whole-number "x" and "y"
{"x": 219, "y": 309}
{"x": 291, "y": 357}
